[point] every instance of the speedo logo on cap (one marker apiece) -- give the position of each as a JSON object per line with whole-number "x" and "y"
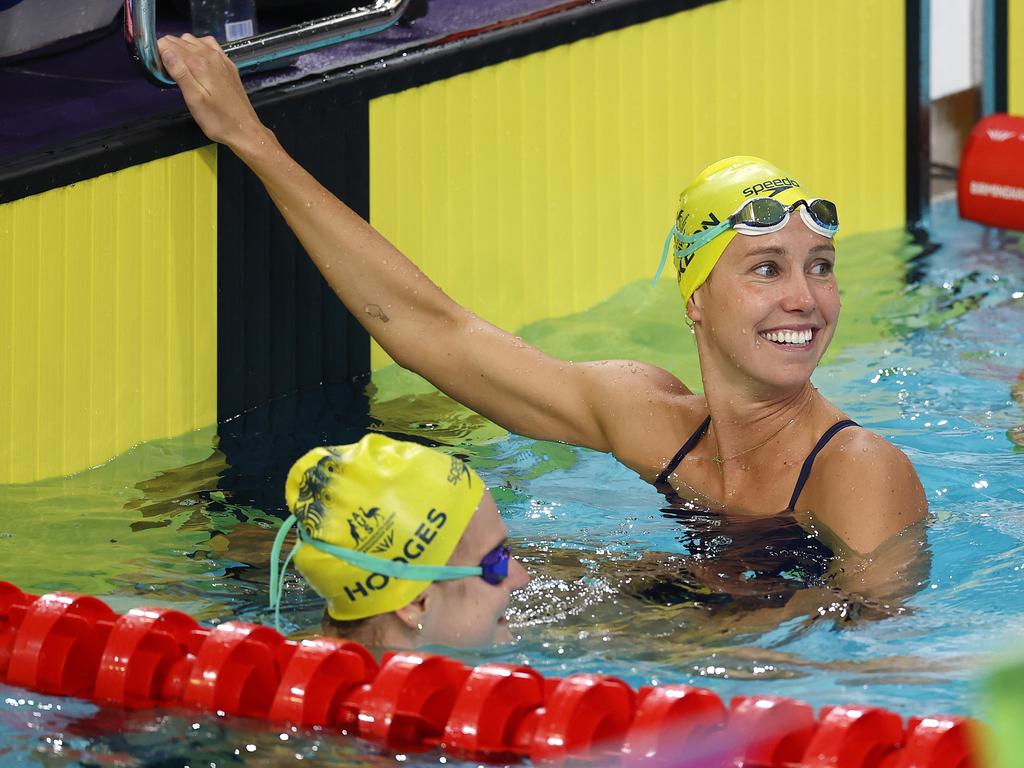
{"x": 459, "y": 471}
{"x": 772, "y": 186}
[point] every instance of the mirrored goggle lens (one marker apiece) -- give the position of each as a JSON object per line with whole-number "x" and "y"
{"x": 824, "y": 214}
{"x": 761, "y": 212}
{"x": 495, "y": 564}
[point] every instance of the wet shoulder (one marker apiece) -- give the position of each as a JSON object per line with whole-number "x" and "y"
{"x": 645, "y": 412}
{"x": 864, "y": 488}
{"x": 672, "y": 419}
{"x": 635, "y": 377}
{"x": 858, "y": 448}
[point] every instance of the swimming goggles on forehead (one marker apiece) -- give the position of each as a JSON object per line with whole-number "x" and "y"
{"x": 493, "y": 567}
{"x": 757, "y": 216}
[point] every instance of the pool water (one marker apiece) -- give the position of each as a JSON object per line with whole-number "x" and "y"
{"x": 929, "y": 354}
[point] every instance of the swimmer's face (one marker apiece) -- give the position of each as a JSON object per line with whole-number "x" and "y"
{"x": 771, "y": 304}
{"x": 470, "y": 612}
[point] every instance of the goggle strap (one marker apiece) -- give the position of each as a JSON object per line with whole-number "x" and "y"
{"x": 280, "y": 586}
{"x": 703, "y": 236}
{"x": 664, "y": 255}
{"x": 699, "y": 239}
{"x": 391, "y": 568}
{"x": 276, "y": 587}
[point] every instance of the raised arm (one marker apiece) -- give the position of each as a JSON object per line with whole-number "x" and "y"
{"x": 481, "y": 366}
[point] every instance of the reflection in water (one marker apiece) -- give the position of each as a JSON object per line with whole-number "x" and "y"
{"x": 65, "y": 732}
{"x": 732, "y": 582}
{"x": 743, "y": 561}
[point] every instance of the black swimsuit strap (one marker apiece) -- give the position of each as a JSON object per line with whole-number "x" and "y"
{"x": 687, "y": 447}
{"x": 805, "y": 470}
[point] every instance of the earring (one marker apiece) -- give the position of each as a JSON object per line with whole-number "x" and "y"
{"x": 419, "y": 627}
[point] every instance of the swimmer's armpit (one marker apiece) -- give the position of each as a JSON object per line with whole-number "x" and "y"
{"x": 375, "y": 310}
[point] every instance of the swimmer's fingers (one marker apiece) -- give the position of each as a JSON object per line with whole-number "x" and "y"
{"x": 211, "y": 86}
{"x": 211, "y": 42}
{"x": 208, "y": 41}
{"x": 176, "y": 56}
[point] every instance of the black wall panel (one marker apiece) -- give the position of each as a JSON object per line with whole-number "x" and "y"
{"x": 292, "y": 362}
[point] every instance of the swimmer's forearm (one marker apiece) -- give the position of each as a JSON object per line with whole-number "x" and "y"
{"x": 477, "y": 364}
{"x": 423, "y": 330}
{"x": 389, "y": 295}
{"x": 361, "y": 267}
{"x": 411, "y": 318}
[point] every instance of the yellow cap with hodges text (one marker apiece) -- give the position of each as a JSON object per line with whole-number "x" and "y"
{"x": 384, "y": 498}
{"x": 715, "y": 195}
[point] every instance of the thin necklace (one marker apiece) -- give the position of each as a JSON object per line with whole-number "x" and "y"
{"x": 720, "y": 461}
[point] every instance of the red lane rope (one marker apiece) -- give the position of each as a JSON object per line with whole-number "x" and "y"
{"x": 75, "y": 645}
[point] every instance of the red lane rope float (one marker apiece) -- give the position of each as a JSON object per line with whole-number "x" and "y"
{"x": 75, "y": 645}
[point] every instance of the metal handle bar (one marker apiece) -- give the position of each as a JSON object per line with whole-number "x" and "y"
{"x": 378, "y": 15}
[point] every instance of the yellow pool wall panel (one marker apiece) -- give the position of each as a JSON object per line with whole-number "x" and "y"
{"x": 539, "y": 186}
{"x": 109, "y": 317}
{"x": 1015, "y": 57}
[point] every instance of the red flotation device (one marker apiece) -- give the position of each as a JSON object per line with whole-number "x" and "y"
{"x": 990, "y": 185}
{"x": 73, "y": 645}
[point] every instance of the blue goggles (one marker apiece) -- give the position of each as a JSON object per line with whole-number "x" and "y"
{"x": 757, "y": 216}
{"x": 493, "y": 567}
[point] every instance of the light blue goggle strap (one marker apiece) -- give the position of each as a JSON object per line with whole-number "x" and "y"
{"x": 371, "y": 563}
{"x": 277, "y": 571}
{"x": 392, "y": 568}
{"x": 693, "y": 242}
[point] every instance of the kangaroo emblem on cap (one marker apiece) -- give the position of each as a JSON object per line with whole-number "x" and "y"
{"x": 315, "y": 493}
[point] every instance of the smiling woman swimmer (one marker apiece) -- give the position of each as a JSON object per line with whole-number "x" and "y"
{"x": 754, "y": 255}
{"x": 404, "y": 543}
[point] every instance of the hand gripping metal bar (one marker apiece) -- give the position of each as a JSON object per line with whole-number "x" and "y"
{"x": 375, "y": 16}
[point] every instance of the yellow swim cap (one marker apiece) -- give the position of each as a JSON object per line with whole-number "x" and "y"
{"x": 715, "y": 195}
{"x": 385, "y": 499}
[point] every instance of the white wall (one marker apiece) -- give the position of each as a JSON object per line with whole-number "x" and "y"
{"x": 955, "y": 46}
